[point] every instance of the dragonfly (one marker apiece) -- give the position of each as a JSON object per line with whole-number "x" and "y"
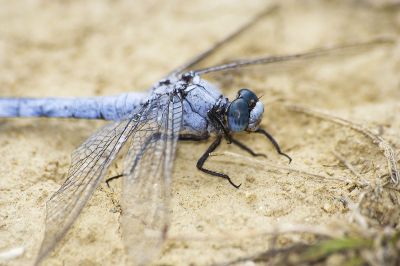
{"x": 146, "y": 128}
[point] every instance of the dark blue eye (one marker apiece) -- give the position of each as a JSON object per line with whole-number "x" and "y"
{"x": 248, "y": 96}
{"x": 238, "y": 115}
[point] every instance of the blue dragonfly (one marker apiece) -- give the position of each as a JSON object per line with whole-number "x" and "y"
{"x": 146, "y": 127}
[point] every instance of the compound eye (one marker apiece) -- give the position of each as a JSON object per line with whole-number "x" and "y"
{"x": 238, "y": 115}
{"x": 249, "y": 96}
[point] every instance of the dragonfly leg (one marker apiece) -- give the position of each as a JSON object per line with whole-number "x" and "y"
{"x": 193, "y": 137}
{"x": 108, "y": 180}
{"x": 204, "y": 157}
{"x": 273, "y": 141}
{"x": 245, "y": 148}
{"x": 149, "y": 140}
{"x": 215, "y": 115}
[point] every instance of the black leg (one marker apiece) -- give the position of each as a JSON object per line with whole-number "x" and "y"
{"x": 149, "y": 140}
{"x": 214, "y": 116}
{"x": 112, "y": 178}
{"x": 205, "y": 156}
{"x": 273, "y": 141}
{"x": 192, "y": 137}
{"x": 244, "y": 147}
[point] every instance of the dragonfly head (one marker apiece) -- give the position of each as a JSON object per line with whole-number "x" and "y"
{"x": 245, "y": 112}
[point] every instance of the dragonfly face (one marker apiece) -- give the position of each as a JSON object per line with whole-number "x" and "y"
{"x": 204, "y": 100}
{"x": 245, "y": 112}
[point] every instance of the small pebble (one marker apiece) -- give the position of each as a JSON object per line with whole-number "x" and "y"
{"x": 327, "y": 207}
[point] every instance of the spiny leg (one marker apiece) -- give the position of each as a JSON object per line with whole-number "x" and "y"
{"x": 205, "y": 156}
{"x": 192, "y": 137}
{"x": 245, "y": 148}
{"x": 148, "y": 141}
{"x": 184, "y": 137}
{"x": 212, "y": 114}
{"x": 273, "y": 141}
{"x": 108, "y": 180}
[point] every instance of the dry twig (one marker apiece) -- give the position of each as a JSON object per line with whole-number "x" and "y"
{"x": 382, "y": 144}
{"x": 272, "y": 230}
{"x": 272, "y": 166}
{"x": 350, "y": 167}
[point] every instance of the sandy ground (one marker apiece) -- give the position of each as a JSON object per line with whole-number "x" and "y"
{"x": 85, "y": 48}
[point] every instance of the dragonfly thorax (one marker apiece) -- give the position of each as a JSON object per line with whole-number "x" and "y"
{"x": 245, "y": 112}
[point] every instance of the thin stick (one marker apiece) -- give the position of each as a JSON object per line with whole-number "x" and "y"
{"x": 383, "y": 145}
{"x": 350, "y": 167}
{"x": 355, "y": 210}
{"x": 269, "y": 166}
{"x": 276, "y": 229}
{"x": 12, "y": 253}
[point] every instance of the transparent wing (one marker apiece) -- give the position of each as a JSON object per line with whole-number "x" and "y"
{"x": 275, "y": 47}
{"x": 146, "y": 189}
{"x": 268, "y": 60}
{"x": 89, "y": 164}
